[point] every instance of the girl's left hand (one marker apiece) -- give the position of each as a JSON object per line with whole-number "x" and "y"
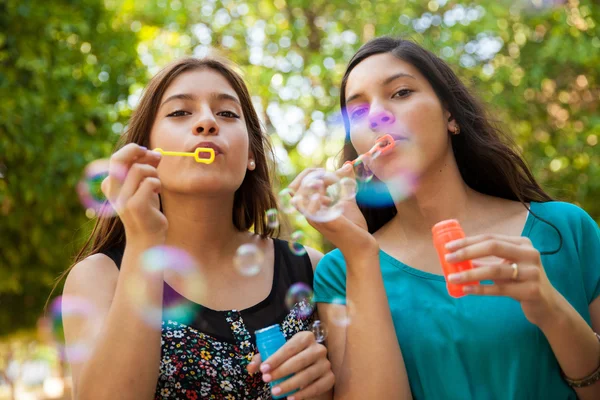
{"x": 303, "y": 357}
{"x": 520, "y": 275}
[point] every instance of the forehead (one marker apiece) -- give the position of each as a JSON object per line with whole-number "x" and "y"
{"x": 200, "y": 82}
{"x": 374, "y": 70}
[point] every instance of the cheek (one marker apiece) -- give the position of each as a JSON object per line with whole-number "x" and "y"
{"x": 425, "y": 124}
{"x": 361, "y": 138}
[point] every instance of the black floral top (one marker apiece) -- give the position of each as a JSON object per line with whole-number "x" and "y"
{"x": 206, "y": 357}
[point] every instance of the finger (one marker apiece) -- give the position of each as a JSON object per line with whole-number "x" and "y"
{"x": 347, "y": 171}
{"x": 254, "y": 364}
{"x": 303, "y": 378}
{"x": 322, "y": 385}
{"x": 314, "y": 204}
{"x": 137, "y": 173}
{"x": 299, "y": 362}
{"x": 295, "y": 345}
{"x": 470, "y": 240}
{"x": 148, "y": 188}
{"x": 121, "y": 162}
{"x": 127, "y": 153}
{"x": 493, "y": 247}
{"x": 295, "y": 185}
{"x": 520, "y": 291}
{"x": 497, "y": 272}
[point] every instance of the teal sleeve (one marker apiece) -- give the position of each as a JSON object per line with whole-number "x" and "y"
{"x": 589, "y": 256}
{"x": 330, "y": 279}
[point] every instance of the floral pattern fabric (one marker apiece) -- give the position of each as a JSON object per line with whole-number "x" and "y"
{"x": 198, "y": 366}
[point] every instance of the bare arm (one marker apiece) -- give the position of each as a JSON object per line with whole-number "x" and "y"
{"x": 315, "y": 257}
{"x": 367, "y": 346}
{"x": 124, "y": 347}
{"x": 575, "y": 345}
{"x": 125, "y": 351}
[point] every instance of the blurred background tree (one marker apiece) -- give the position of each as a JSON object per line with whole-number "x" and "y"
{"x": 72, "y": 71}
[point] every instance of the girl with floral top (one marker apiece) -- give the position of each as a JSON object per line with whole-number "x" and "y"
{"x": 207, "y": 211}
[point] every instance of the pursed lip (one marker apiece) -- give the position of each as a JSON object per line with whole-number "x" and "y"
{"x": 397, "y": 137}
{"x": 210, "y": 145}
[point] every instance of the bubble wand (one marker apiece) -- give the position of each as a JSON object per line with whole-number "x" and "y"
{"x": 383, "y": 145}
{"x": 195, "y": 154}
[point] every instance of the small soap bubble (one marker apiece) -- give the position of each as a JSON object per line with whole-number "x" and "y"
{"x": 300, "y": 297}
{"x": 362, "y": 171}
{"x": 285, "y": 201}
{"x": 296, "y": 244}
{"x": 180, "y": 271}
{"x": 319, "y": 196}
{"x": 341, "y": 311}
{"x": 78, "y": 309}
{"x": 248, "y": 259}
{"x": 90, "y": 192}
{"x": 320, "y": 332}
{"x": 272, "y": 218}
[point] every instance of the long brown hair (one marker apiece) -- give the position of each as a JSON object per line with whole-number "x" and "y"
{"x": 486, "y": 156}
{"x": 251, "y": 200}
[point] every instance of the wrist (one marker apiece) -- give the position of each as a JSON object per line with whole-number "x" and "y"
{"x": 557, "y": 316}
{"x": 142, "y": 243}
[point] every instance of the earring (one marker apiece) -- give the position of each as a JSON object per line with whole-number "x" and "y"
{"x": 252, "y": 165}
{"x": 456, "y": 130}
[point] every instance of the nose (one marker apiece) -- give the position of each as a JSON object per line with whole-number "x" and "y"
{"x": 206, "y": 125}
{"x": 380, "y": 119}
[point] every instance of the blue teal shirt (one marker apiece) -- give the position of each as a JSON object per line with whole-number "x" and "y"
{"x": 480, "y": 347}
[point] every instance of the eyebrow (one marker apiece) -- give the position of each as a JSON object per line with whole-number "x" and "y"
{"x": 215, "y": 96}
{"x": 385, "y": 82}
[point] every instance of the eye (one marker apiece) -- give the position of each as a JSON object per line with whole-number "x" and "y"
{"x": 358, "y": 113}
{"x": 402, "y": 93}
{"x": 178, "y": 113}
{"x": 228, "y": 114}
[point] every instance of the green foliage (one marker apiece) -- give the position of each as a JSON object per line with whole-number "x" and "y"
{"x": 67, "y": 71}
{"x": 64, "y": 66}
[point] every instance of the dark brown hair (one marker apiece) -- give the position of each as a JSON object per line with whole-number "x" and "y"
{"x": 486, "y": 156}
{"x": 251, "y": 200}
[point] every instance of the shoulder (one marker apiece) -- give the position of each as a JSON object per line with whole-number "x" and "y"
{"x": 314, "y": 255}
{"x": 565, "y": 215}
{"x": 95, "y": 275}
{"x": 560, "y": 211}
{"x": 332, "y": 263}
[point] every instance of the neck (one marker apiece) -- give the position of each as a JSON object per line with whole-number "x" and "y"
{"x": 440, "y": 194}
{"x": 202, "y": 226}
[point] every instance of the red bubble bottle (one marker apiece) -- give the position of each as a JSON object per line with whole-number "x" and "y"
{"x": 445, "y": 232}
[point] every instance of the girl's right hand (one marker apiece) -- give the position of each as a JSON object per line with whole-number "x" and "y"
{"x": 349, "y": 232}
{"x": 132, "y": 187}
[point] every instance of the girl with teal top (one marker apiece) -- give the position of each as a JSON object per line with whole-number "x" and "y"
{"x": 526, "y": 329}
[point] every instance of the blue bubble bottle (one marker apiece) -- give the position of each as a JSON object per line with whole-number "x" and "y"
{"x": 268, "y": 341}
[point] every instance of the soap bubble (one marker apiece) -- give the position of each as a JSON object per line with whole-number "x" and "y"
{"x": 248, "y": 259}
{"x": 319, "y": 196}
{"x": 296, "y": 244}
{"x": 84, "y": 314}
{"x": 300, "y": 297}
{"x": 180, "y": 272}
{"x": 361, "y": 169}
{"x": 320, "y": 332}
{"x": 272, "y": 218}
{"x": 90, "y": 192}
{"x": 341, "y": 311}
{"x": 285, "y": 201}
